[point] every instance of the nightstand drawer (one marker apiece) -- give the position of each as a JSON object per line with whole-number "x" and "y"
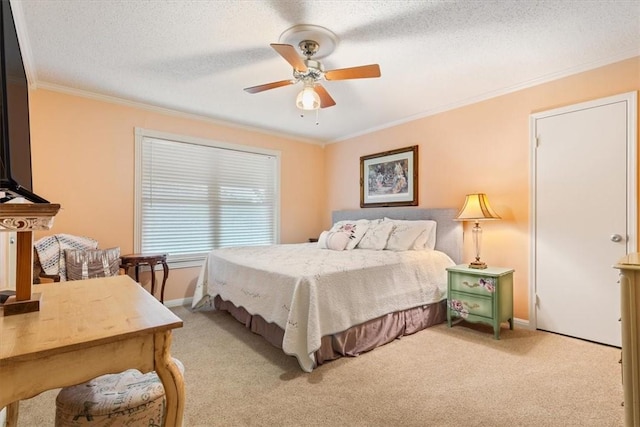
{"x": 462, "y": 304}
{"x": 473, "y": 284}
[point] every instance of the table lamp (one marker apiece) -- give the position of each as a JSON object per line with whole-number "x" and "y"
{"x": 476, "y": 208}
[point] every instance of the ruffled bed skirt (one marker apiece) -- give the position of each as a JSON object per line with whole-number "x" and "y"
{"x": 355, "y": 340}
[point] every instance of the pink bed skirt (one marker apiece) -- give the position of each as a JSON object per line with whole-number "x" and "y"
{"x": 355, "y": 340}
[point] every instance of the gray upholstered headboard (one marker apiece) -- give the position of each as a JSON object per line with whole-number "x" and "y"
{"x": 448, "y": 231}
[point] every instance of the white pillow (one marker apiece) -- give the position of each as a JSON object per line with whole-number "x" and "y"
{"x": 354, "y": 228}
{"x": 431, "y": 234}
{"x": 336, "y": 241}
{"x": 427, "y": 239}
{"x": 412, "y": 235}
{"x": 376, "y": 236}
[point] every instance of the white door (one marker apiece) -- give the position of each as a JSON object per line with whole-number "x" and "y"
{"x": 584, "y": 215}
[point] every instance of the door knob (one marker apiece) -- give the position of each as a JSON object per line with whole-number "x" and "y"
{"x": 616, "y": 238}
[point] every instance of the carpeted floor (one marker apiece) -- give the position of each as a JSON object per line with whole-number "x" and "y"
{"x": 438, "y": 377}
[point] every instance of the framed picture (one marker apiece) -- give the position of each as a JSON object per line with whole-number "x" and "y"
{"x": 389, "y": 178}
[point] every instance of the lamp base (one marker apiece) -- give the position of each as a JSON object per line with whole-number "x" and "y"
{"x": 478, "y": 264}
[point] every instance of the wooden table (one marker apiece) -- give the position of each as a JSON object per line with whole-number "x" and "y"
{"x": 85, "y": 329}
{"x": 136, "y": 260}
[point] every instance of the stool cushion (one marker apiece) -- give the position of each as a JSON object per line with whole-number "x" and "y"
{"x": 129, "y": 398}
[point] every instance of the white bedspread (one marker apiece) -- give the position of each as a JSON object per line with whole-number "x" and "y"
{"x": 311, "y": 292}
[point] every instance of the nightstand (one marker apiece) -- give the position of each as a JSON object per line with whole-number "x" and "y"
{"x": 480, "y": 295}
{"x": 137, "y": 260}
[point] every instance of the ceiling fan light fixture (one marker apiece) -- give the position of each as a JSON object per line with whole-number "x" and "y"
{"x": 308, "y": 99}
{"x": 313, "y": 42}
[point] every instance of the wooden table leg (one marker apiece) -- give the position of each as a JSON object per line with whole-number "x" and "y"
{"x": 171, "y": 378}
{"x": 165, "y": 268}
{"x": 24, "y": 266}
{"x": 152, "y": 270}
{"x": 137, "y": 269}
{"x": 12, "y": 414}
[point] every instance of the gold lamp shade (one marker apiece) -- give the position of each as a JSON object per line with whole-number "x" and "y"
{"x": 476, "y": 208}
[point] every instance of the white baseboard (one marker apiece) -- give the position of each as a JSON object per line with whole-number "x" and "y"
{"x": 521, "y": 323}
{"x": 178, "y": 302}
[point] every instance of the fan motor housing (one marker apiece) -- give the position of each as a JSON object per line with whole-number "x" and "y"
{"x": 315, "y": 70}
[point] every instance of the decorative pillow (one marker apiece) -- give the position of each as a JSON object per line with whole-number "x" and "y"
{"x": 334, "y": 240}
{"x": 355, "y": 229}
{"x": 91, "y": 263}
{"x": 376, "y": 236}
{"x": 426, "y": 239}
{"x": 51, "y": 249}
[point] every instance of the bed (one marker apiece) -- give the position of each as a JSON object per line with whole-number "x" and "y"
{"x": 319, "y": 304}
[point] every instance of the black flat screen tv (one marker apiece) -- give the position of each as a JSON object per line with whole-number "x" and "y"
{"x": 15, "y": 142}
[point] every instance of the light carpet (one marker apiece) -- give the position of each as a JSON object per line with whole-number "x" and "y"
{"x": 441, "y": 376}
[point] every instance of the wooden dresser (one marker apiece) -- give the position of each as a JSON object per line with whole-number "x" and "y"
{"x": 629, "y": 267}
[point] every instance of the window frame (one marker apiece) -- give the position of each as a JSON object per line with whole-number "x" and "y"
{"x": 141, "y": 133}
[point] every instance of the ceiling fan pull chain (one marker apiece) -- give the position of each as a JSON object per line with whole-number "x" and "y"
{"x": 317, "y": 114}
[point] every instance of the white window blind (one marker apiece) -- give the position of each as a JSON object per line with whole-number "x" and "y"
{"x": 195, "y": 197}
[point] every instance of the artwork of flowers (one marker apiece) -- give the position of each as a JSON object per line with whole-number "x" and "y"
{"x": 458, "y": 307}
{"x": 389, "y": 178}
{"x": 350, "y": 229}
{"x": 486, "y": 284}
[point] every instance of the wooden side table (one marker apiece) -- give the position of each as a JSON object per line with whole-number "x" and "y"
{"x": 137, "y": 260}
{"x": 481, "y": 295}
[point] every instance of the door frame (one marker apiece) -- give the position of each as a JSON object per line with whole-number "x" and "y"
{"x": 631, "y": 98}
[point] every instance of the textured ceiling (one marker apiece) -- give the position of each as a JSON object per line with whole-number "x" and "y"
{"x": 197, "y": 56}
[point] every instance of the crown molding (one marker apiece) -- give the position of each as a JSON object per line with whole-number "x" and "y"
{"x": 167, "y": 111}
{"x": 496, "y": 93}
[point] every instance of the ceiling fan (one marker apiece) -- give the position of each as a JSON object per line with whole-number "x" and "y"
{"x": 310, "y": 72}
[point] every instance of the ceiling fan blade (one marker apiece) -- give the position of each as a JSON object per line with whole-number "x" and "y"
{"x": 362, "y": 72}
{"x": 267, "y": 86}
{"x": 325, "y": 99}
{"x": 290, "y": 54}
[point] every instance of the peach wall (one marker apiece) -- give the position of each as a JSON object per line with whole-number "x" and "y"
{"x": 483, "y": 147}
{"x": 83, "y": 158}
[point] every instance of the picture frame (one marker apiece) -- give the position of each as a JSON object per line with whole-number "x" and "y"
{"x": 389, "y": 178}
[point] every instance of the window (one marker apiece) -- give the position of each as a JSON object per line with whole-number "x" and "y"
{"x": 194, "y": 195}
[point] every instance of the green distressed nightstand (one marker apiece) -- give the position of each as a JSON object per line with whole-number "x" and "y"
{"x": 484, "y": 296}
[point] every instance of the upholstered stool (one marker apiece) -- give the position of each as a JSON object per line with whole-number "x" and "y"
{"x": 129, "y": 398}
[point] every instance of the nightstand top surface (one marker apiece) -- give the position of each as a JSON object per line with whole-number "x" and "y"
{"x": 489, "y": 271}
